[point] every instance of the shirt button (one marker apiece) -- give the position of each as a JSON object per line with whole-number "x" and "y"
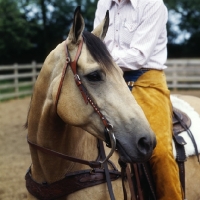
{"x": 116, "y": 45}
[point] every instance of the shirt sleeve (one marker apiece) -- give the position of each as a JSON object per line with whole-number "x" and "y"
{"x": 145, "y": 37}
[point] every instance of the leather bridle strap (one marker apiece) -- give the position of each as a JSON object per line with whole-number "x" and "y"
{"x": 82, "y": 89}
{"x": 92, "y": 164}
{"x": 62, "y": 76}
{"x": 107, "y": 174}
{"x": 86, "y": 97}
{"x": 78, "y": 82}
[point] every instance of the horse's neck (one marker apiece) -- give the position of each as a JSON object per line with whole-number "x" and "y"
{"x": 54, "y": 134}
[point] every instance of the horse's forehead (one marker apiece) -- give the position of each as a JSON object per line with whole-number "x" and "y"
{"x": 86, "y": 56}
{"x": 86, "y": 61}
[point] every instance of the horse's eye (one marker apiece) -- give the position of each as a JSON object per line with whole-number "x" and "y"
{"x": 94, "y": 76}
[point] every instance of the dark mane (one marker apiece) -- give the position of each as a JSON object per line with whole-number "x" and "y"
{"x": 98, "y": 49}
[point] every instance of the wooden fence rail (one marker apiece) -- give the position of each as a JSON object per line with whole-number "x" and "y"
{"x": 183, "y": 73}
{"x": 18, "y": 80}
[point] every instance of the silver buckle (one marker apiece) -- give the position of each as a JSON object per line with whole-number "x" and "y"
{"x": 113, "y": 144}
{"x": 130, "y": 83}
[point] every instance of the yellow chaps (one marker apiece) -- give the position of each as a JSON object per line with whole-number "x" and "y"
{"x": 152, "y": 94}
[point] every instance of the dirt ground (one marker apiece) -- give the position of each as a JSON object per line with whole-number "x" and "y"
{"x": 14, "y": 151}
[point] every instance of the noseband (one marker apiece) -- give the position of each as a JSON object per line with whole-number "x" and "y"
{"x": 109, "y": 135}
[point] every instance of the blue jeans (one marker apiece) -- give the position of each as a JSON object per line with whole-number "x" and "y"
{"x": 133, "y": 75}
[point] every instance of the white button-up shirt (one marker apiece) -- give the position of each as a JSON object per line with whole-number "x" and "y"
{"x": 137, "y": 35}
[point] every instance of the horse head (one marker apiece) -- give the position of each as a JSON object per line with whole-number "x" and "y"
{"x": 104, "y": 83}
{"x": 57, "y": 105}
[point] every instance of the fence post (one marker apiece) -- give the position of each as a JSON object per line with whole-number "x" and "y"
{"x": 16, "y": 80}
{"x": 174, "y": 75}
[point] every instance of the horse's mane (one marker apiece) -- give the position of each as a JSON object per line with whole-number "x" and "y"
{"x": 98, "y": 50}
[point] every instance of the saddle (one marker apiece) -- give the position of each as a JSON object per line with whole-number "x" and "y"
{"x": 177, "y": 116}
{"x": 146, "y": 187}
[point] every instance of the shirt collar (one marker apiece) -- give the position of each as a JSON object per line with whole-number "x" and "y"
{"x": 133, "y": 2}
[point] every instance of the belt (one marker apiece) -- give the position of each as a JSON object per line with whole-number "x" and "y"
{"x": 143, "y": 69}
{"x": 132, "y": 76}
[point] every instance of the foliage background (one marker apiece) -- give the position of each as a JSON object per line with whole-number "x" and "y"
{"x": 30, "y": 29}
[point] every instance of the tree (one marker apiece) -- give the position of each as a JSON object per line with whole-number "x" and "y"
{"x": 30, "y": 29}
{"x": 54, "y": 18}
{"x": 14, "y": 31}
{"x": 189, "y": 12}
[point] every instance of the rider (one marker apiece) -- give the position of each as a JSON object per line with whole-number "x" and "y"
{"x": 137, "y": 39}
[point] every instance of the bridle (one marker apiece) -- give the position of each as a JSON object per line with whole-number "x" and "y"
{"x": 109, "y": 135}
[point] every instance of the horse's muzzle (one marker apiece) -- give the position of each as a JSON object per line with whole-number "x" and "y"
{"x": 144, "y": 146}
{"x": 140, "y": 151}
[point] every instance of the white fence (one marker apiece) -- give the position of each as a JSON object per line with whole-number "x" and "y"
{"x": 18, "y": 80}
{"x": 183, "y": 73}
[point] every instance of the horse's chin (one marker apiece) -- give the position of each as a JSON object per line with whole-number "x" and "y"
{"x": 131, "y": 157}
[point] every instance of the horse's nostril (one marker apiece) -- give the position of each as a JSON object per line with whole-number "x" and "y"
{"x": 143, "y": 145}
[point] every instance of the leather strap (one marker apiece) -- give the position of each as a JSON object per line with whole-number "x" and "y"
{"x": 180, "y": 151}
{"x": 74, "y": 63}
{"x": 92, "y": 164}
{"x": 63, "y": 75}
{"x": 180, "y": 159}
{"x": 147, "y": 172}
{"x": 71, "y": 183}
{"x": 55, "y": 190}
{"x": 129, "y": 178}
{"x": 123, "y": 166}
{"x": 108, "y": 180}
{"x": 189, "y": 134}
{"x": 86, "y": 97}
{"x": 140, "y": 194}
{"x": 177, "y": 128}
{"x": 81, "y": 87}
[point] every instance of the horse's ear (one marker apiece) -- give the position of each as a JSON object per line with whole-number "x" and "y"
{"x": 101, "y": 30}
{"x": 77, "y": 27}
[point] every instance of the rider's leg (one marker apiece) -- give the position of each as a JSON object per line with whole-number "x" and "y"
{"x": 152, "y": 94}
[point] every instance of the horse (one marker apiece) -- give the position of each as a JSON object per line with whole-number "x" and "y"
{"x": 79, "y": 96}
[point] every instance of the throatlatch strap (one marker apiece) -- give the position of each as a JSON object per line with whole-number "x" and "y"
{"x": 92, "y": 164}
